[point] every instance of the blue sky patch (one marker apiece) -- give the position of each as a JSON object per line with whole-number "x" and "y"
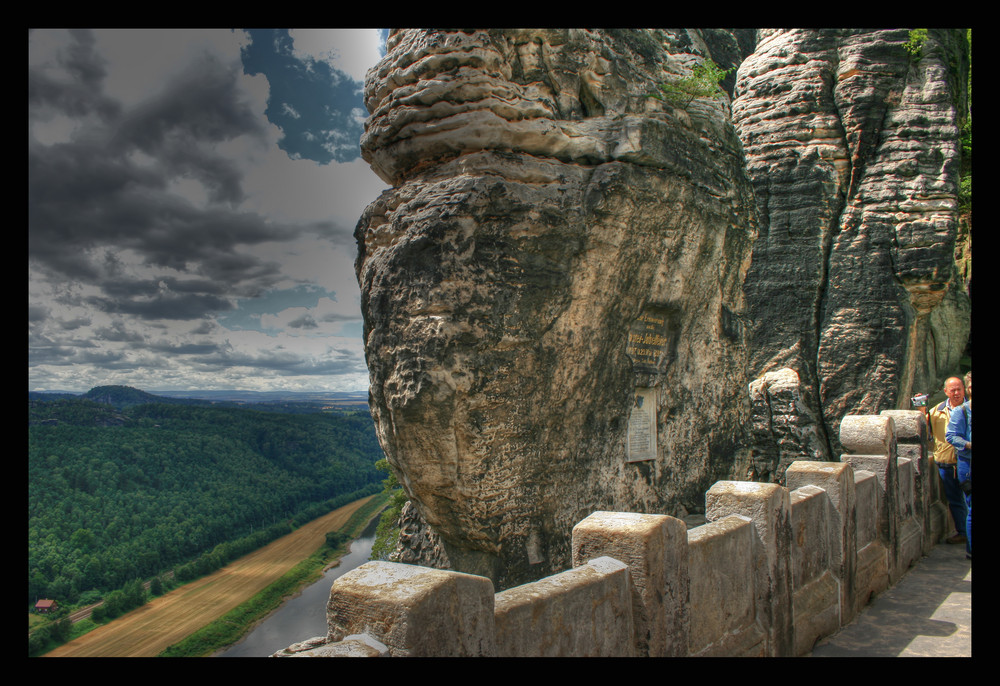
{"x": 316, "y": 106}
{"x": 246, "y": 315}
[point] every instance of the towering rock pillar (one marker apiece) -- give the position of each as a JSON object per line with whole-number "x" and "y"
{"x": 554, "y": 320}
{"x": 852, "y": 143}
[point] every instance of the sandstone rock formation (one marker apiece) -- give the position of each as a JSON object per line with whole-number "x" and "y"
{"x": 570, "y": 286}
{"x": 852, "y": 146}
{"x": 560, "y": 259}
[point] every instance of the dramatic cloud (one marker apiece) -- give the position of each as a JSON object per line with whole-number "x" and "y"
{"x": 191, "y": 200}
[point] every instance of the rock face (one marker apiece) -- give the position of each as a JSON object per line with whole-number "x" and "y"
{"x": 783, "y": 427}
{"x": 552, "y": 287}
{"x": 570, "y": 286}
{"x": 852, "y": 146}
{"x": 418, "y": 543}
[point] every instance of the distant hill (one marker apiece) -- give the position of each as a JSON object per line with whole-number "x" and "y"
{"x": 124, "y": 396}
{"x": 72, "y": 410}
{"x": 103, "y": 405}
{"x": 272, "y": 396}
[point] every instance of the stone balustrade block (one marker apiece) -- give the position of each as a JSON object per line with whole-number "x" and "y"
{"x": 414, "y": 611}
{"x": 768, "y": 506}
{"x": 722, "y": 565}
{"x": 584, "y": 612}
{"x": 911, "y": 425}
{"x": 868, "y": 434}
{"x": 837, "y": 479}
{"x": 655, "y": 549}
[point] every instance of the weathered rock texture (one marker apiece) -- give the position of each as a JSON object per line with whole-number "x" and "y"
{"x": 418, "y": 543}
{"x": 783, "y": 427}
{"x": 852, "y": 146}
{"x": 541, "y": 205}
{"x": 544, "y": 210}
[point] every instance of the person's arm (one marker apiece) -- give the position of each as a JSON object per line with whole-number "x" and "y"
{"x": 957, "y": 430}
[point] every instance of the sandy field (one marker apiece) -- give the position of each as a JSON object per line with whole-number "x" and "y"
{"x": 149, "y": 630}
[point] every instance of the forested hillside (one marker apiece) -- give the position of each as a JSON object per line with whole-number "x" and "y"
{"x": 119, "y": 494}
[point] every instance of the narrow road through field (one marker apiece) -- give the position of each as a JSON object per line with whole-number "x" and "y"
{"x": 150, "y": 629}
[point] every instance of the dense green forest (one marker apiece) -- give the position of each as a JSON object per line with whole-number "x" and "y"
{"x": 119, "y": 493}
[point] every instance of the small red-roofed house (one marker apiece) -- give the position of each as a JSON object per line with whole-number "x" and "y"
{"x": 45, "y": 605}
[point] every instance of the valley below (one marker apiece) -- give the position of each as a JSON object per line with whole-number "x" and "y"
{"x": 152, "y": 628}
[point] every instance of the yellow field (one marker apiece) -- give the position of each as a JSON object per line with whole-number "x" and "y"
{"x": 150, "y": 629}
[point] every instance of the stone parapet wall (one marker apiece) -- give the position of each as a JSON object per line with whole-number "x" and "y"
{"x": 722, "y": 558}
{"x": 773, "y": 570}
{"x": 816, "y": 601}
{"x": 582, "y": 611}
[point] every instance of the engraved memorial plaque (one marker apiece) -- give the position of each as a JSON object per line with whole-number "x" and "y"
{"x": 641, "y": 442}
{"x": 649, "y": 340}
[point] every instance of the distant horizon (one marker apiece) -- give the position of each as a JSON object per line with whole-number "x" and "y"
{"x": 155, "y": 391}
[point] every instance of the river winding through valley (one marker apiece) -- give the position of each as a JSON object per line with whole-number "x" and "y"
{"x": 303, "y": 616}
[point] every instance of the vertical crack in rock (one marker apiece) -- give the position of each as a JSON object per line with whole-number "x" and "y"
{"x": 838, "y": 203}
{"x": 798, "y": 160}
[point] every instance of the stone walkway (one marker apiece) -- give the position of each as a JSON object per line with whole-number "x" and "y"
{"x": 927, "y": 614}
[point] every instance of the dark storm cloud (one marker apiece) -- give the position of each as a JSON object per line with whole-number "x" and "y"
{"x": 148, "y": 287}
{"x": 335, "y": 317}
{"x": 79, "y": 95}
{"x": 37, "y": 313}
{"x": 202, "y": 105}
{"x": 74, "y": 323}
{"x": 118, "y": 332}
{"x": 304, "y": 322}
{"x": 163, "y": 306}
{"x": 81, "y": 352}
{"x": 247, "y": 275}
{"x": 92, "y": 196}
{"x": 204, "y": 328}
{"x": 79, "y": 198}
{"x": 43, "y": 343}
{"x": 130, "y": 363}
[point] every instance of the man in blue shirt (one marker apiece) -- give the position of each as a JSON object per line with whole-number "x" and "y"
{"x": 959, "y": 434}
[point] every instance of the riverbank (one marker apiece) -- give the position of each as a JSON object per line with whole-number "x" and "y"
{"x": 302, "y": 615}
{"x": 229, "y": 629}
{"x": 169, "y": 619}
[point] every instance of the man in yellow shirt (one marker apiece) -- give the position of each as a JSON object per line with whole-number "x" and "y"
{"x": 944, "y": 455}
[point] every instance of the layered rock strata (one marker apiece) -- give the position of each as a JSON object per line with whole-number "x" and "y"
{"x": 552, "y": 287}
{"x": 853, "y": 148}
